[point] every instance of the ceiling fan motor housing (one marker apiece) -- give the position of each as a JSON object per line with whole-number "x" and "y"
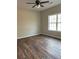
{"x": 37, "y": 2}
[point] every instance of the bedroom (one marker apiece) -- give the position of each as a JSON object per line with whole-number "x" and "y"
{"x": 38, "y": 27}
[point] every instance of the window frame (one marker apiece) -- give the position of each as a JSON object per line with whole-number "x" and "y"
{"x": 55, "y": 22}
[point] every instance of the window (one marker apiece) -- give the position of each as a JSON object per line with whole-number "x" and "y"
{"x": 54, "y": 22}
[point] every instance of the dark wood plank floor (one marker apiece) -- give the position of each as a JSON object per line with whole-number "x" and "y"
{"x": 38, "y": 47}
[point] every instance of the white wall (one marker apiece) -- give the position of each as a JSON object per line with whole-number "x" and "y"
{"x": 28, "y": 23}
{"x": 44, "y": 21}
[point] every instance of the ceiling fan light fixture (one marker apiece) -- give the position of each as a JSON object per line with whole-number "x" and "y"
{"x": 38, "y": 6}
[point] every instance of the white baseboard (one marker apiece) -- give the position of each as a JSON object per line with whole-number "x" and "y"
{"x": 37, "y": 34}
{"x": 26, "y": 36}
{"x": 51, "y": 35}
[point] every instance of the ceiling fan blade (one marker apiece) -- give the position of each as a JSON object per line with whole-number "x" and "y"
{"x": 41, "y": 5}
{"x": 44, "y": 2}
{"x": 33, "y": 6}
{"x": 30, "y": 3}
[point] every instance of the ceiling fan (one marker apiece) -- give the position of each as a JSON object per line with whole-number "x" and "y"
{"x": 38, "y": 4}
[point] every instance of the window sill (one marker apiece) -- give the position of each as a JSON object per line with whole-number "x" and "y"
{"x": 53, "y": 31}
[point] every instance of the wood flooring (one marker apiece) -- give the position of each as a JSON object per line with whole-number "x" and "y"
{"x": 38, "y": 47}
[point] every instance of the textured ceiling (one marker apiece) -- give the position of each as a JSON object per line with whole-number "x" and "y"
{"x": 22, "y": 4}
